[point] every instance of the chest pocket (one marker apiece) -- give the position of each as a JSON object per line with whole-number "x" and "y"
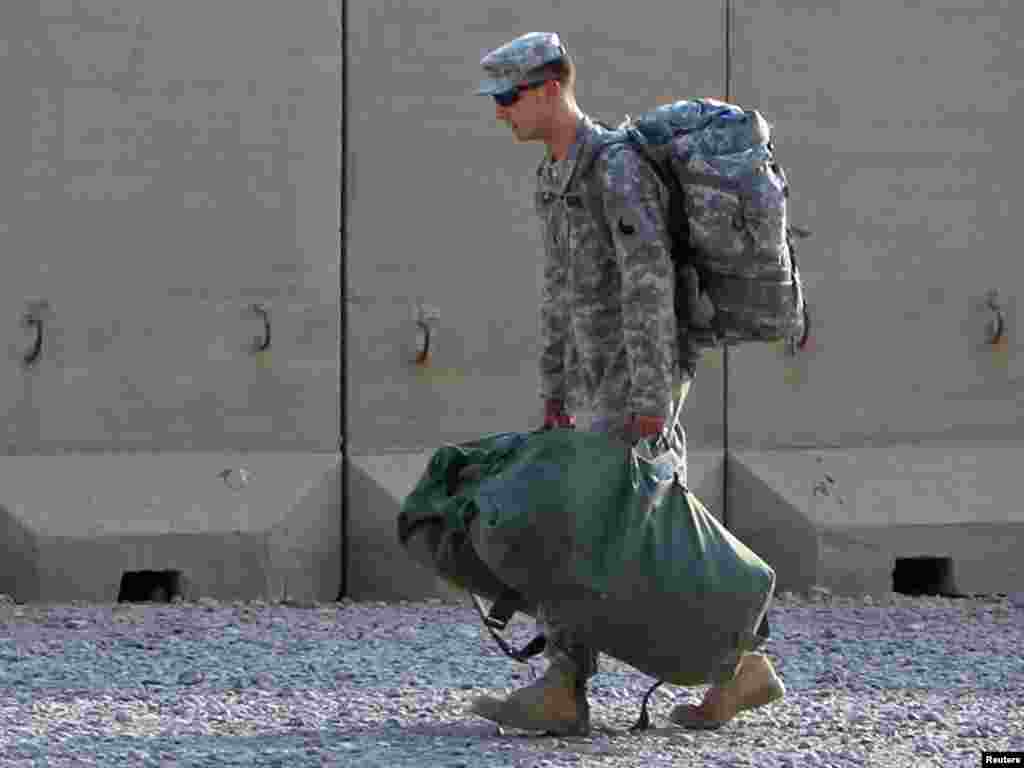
{"x": 548, "y": 209}
{"x": 587, "y": 229}
{"x": 595, "y": 275}
{"x": 579, "y": 226}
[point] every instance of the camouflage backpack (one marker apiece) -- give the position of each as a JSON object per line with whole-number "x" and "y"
{"x": 736, "y": 271}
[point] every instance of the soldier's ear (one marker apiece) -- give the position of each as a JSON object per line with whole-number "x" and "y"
{"x": 552, "y": 90}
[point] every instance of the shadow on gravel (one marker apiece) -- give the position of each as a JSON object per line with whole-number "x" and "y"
{"x": 480, "y": 729}
{"x": 463, "y": 743}
{"x": 475, "y": 735}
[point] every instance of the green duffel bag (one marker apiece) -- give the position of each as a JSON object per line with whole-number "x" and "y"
{"x": 607, "y": 535}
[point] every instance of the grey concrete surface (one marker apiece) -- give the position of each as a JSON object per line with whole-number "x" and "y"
{"x": 379, "y": 568}
{"x": 73, "y": 526}
{"x": 985, "y": 557}
{"x": 841, "y": 518}
{"x": 770, "y": 525}
{"x": 168, "y": 165}
{"x": 894, "y": 121}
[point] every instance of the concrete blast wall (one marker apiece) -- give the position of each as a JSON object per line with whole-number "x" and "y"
{"x": 894, "y": 122}
{"x": 169, "y": 208}
{"x": 169, "y": 223}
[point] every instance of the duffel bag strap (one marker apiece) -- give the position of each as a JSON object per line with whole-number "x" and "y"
{"x": 644, "y": 721}
{"x": 503, "y": 610}
{"x": 498, "y": 617}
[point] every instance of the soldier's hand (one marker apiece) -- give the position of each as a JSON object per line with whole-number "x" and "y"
{"x": 555, "y": 416}
{"x": 641, "y": 427}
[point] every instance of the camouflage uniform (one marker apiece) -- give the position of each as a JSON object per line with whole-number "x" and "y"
{"x": 607, "y": 316}
{"x": 608, "y": 324}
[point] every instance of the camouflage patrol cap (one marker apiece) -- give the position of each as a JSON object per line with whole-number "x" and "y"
{"x": 515, "y": 62}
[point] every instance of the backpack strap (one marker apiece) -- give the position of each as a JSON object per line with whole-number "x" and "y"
{"x": 634, "y": 138}
{"x": 593, "y": 152}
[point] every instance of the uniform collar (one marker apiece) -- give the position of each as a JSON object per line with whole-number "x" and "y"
{"x": 585, "y": 128}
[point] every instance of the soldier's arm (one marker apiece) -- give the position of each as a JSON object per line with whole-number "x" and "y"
{"x": 635, "y": 206}
{"x": 554, "y": 320}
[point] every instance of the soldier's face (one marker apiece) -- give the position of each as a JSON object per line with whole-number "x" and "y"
{"x": 527, "y": 116}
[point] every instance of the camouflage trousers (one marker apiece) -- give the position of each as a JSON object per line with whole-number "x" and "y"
{"x": 564, "y": 650}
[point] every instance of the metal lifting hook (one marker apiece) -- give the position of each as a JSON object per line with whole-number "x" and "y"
{"x": 423, "y": 353}
{"x": 32, "y": 356}
{"x": 33, "y": 318}
{"x": 262, "y": 345}
{"x": 996, "y": 327}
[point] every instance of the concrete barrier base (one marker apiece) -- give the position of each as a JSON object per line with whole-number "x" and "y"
{"x": 230, "y": 526}
{"x": 845, "y": 519}
{"x": 101, "y": 527}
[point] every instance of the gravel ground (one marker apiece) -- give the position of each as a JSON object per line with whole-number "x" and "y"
{"x": 893, "y": 682}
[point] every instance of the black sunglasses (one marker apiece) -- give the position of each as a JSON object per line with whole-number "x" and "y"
{"x": 508, "y": 98}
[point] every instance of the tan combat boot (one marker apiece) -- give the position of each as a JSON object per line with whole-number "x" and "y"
{"x": 556, "y": 703}
{"x": 754, "y": 685}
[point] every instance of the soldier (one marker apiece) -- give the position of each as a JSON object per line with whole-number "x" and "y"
{"x": 609, "y": 350}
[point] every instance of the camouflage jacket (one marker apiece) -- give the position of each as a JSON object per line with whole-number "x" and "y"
{"x": 608, "y": 324}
